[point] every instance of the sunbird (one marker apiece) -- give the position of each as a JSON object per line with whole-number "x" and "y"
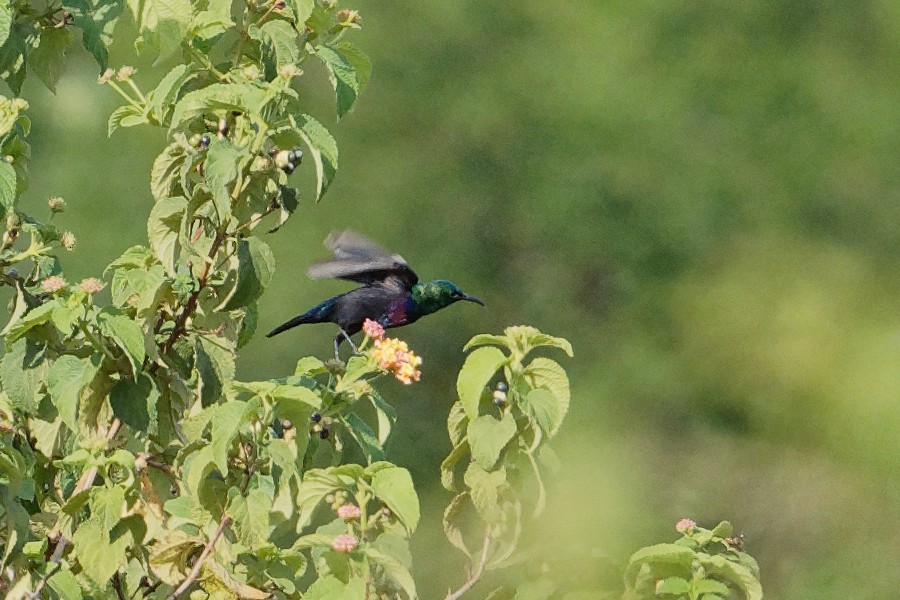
{"x": 391, "y": 294}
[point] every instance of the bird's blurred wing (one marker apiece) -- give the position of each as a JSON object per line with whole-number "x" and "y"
{"x": 359, "y": 259}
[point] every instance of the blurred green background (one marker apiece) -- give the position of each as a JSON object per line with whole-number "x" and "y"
{"x": 702, "y": 196}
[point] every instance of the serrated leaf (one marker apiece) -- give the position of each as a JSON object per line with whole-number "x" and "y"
{"x": 134, "y": 402}
{"x": 48, "y": 60}
{"x": 393, "y": 569}
{"x": 343, "y": 78}
{"x": 6, "y": 18}
{"x": 225, "y": 427}
{"x": 736, "y": 573}
{"x": 124, "y": 116}
{"x": 215, "y": 367}
{"x": 478, "y": 369}
{"x": 96, "y": 19}
{"x": 126, "y": 334}
{"x": 36, "y": 316}
{"x": 223, "y": 166}
{"x": 66, "y": 586}
{"x": 358, "y": 59}
{"x": 368, "y": 442}
{"x": 250, "y": 514}
{"x": 23, "y": 370}
{"x": 162, "y": 98}
{"x": 139, "y": 288}
{"x": 279, "y": 41}
{"x": 163, "y": 227}
{"x": 669, "y": 554}
{"x": 542, "y": 407}
{"x": 710, "y": 586}
{"x": 487, "y": 339}
{"x": 98, "y": 554}
{"x": 65, "y": 380}
{"x": 485, "y": 488}
{"x": 673, "y": 585}
{"x": 488, "y": 436}
{"x": 323, "y": 149}
{"x": 451, "y": 529}
{"x": 256, "y": 264}
{"x": 8, "y": 193}
{"x": 548, "y": 374}
{"x": 302, "y": 10}
{"x": 162, "y": 23}
{"x": 242, "y": 97}
{"x": 458, "y": 452}
{"x": 166, "y": 167}
{"x": 395, "y": 487}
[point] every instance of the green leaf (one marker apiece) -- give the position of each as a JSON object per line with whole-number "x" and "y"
{"x": 485, "y": 488}
{"x": 546, "y": 373}
{"x": 395, "y": 487}
{"x": 225, "y": 427}
{"x": 166, "y": 167}
{"x": 488, "y": 436}
{"x": 323, "y": 149}
{"x": 48, "y": 60}
{"x": 486, "y": 339}
{"x": 23, "y": 370}
{"x": 6, "y": 18}
{"x": 162, "y": 23}
{"x": 134, "y": 402}
{"x": 36, "y": 316}
{"x": 364, "y": 437}
{"x": 478, "y": 369}
{"x": 8, "y": 192}
{"x": 358, "y": 59}
{"x": 302, "y": 10}
{"x": 710, "y": 586}
{"x": 542, "y": 407}
{"x": 96, "y": 19}
{"x": 215, "y": 367}
{"x": 742, "y": 577}
{"x": 100, "y": 555}
{"x": 393, "y": 569}
{"x": 256, "y": 263}
{"x": 125, "y": 116}
{"x": 138, "y": 288}
{"x": 106, "y": 505}
{"x": 162, "y": 98}
{"x": 527, "y": 338}
{"x": 343, "y": 78}
{"x": 127, "y": 334}
{"x": 65, "y": 585}
{"x": 723, "y": 530}
{"x": 163, "y": 227}
{"x": 447, "y": 473}
{"x": 66, "y": 378}
{"x": 668, "y": 554}
{"x": 673, "y": 585}
{"x": 279, "y": 40}
{"x": 250, "y": 514}
{"x": 242, "y": 97}
{"x": 224, "y": 162}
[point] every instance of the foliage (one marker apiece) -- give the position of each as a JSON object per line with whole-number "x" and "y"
{"x": 132, "y": 460}
{"x": 705, "y": 564}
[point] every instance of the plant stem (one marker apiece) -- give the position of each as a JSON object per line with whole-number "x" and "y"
{"x": 476, "y": 573}
{"x": 207, "y": 550}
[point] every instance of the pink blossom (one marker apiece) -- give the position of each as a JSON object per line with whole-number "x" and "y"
{"x": 349, "y": 512}
{"x": 345, "y": 543}
{"x": 53, "y": 284}
{"x": 91, "y": 285}
{"x": 685, "y": 525}
{"x": 373, "y": 329}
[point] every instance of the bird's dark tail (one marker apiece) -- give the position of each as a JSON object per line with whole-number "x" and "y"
{"x": 317, "y": 314}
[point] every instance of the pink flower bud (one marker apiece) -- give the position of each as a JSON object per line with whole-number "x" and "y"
{"x": 349, "y": 512}
{"x": 91, "y": 285}
{"x": 685, "y": 526}
{"x": 373, "y": 329}
{"x": 53, "y": 284}
{"x": 345, "y": 543}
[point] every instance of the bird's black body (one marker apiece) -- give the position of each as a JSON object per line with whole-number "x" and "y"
{"x": 391, "y": 294}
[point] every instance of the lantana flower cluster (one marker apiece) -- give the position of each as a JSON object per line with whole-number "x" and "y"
{"x": 393, "y": 355}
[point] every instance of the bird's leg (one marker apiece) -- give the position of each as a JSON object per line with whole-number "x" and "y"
{"x": 343, "y": 335}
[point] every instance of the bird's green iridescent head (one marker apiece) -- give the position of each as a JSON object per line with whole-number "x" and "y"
{"x": 432, "y": 296}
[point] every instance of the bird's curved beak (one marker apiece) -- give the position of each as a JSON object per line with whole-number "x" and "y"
{"x": 472, "y": 299}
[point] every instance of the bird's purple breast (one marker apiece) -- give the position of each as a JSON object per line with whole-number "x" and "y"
{"x": 400, "y": 312}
